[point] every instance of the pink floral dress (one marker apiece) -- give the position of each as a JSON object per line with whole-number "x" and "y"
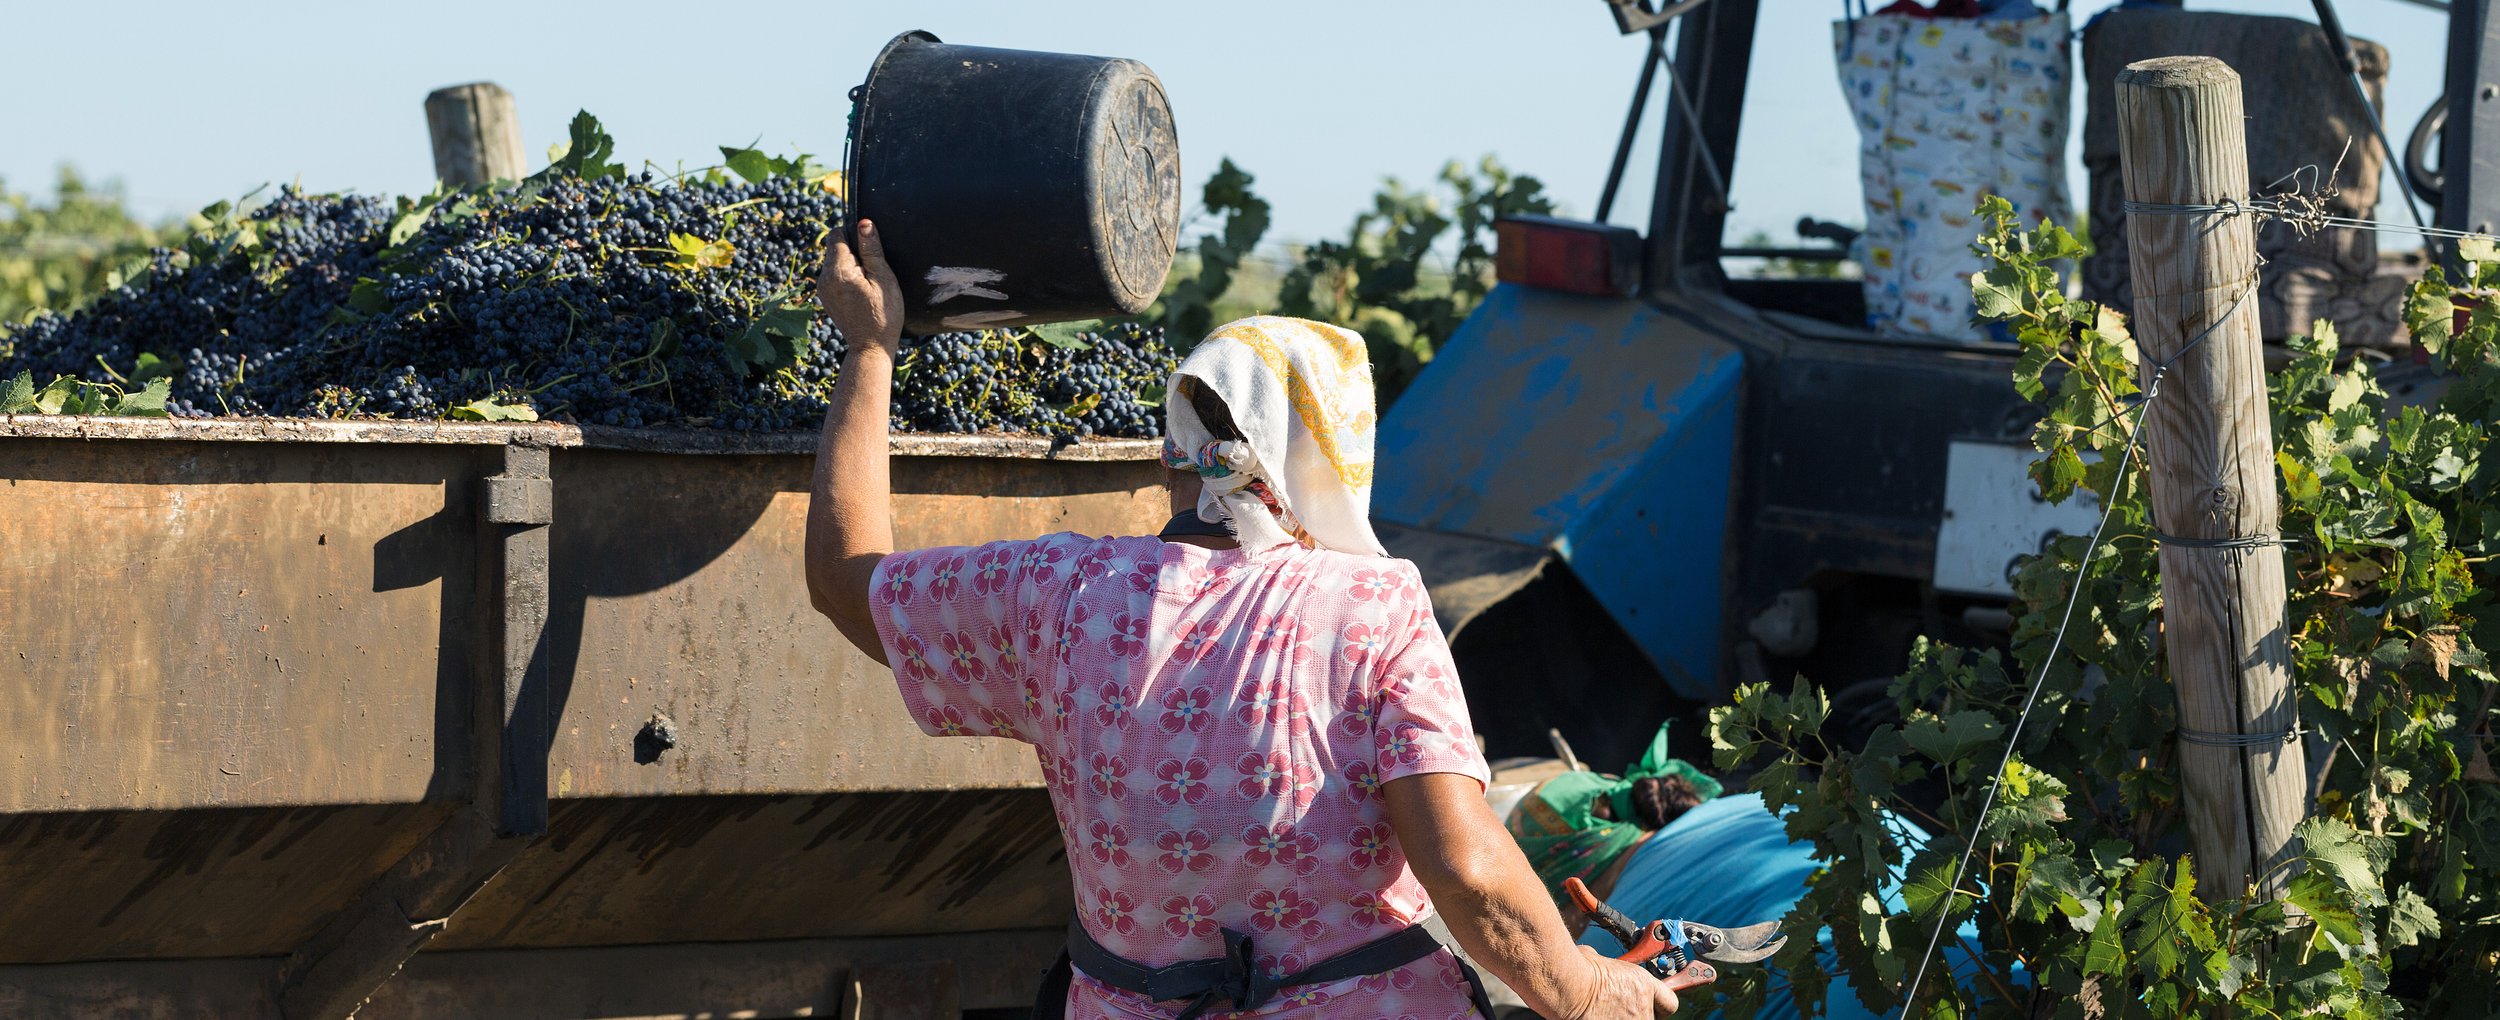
{"x": 1215, "y": 729}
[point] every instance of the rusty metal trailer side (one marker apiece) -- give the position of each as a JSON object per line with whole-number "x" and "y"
{"x": 293, "y": 700}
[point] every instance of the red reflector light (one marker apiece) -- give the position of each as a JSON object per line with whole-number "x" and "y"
{"x": 1567, "y": 255}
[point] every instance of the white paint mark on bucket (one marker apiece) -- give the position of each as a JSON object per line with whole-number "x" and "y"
{"x": 979, "y": 320}
{"x": 949, "y": 282}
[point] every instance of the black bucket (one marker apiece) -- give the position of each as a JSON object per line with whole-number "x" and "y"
{"x": 1014, "y": 187}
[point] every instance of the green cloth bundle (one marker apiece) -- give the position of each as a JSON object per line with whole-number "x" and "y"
{"x": 1556, "y": 824}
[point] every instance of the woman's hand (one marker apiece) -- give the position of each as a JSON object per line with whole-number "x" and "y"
{"x": 1622, "y": 991}
{"x": 1499, "y": 911}
{"x": 860, "y": 292}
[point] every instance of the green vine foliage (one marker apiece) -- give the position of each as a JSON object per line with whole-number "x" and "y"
{"x": 1187, "y": 309}
{"x": 1377, "y": 280}
{"x": 2081, "y": 888}
{"x": 59, "y": 254}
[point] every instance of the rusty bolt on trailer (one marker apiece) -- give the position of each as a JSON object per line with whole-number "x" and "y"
{"x": 656, "y": 736}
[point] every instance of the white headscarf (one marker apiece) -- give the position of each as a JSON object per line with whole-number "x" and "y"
{"x": 1301, "y": 393}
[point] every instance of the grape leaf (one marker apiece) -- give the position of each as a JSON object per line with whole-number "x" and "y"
{"x": 369, "y": 296}
{"x": 2342, "y": 854}
{"x": 147, "y": 403}
{"x": 411, "y": 218}
{"x": 2104, "y": 950}
{"x": 151, "y": 368}
{"x": 2348, "y": 390}
{"x": 2429, "y": 317}
{"x": 773, "y": 339}
{"x": 2329, "y": 908}
{"x": 1949, "y": 738}
{"x": 18, "y": 397}
{"x": 2052, "y": 883}
{"x": 1067, "y": 336}
{"x": 699, "y": 253}
{"x": 2027, "y": 368}
{"x": 62, "y": 396}
{"x": 2058, "y": 473}
{"x": 2030, "y": 803}
{"x": 487, "y": 409}
{"x": 586, "y": 155}
{"x": 2300, "y": 484}
{"x": 591, "y": 149}
{"x": 1998, "y": 292}
{"x": 2164, "y": 922}
{"x": 2411, "y": 919}
{"x": 1928, "y": 888}
{"x": 747, "y": 163}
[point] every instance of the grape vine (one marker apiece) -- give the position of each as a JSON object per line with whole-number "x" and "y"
{"x": 1380, "y": 280}
{"x": 57, "y": 255}
{"x": 2084, "y": 899}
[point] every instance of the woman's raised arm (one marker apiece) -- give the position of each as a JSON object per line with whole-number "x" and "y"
{"x": 850, "y": 517}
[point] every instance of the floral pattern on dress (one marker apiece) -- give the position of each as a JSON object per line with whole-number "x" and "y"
{"x": 1214, "y": 729}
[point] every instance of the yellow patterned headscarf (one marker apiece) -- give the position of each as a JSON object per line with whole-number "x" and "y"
{"x": 1301, "y": 391}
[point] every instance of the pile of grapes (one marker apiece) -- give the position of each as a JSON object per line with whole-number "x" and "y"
{"x": 584, "y": 294}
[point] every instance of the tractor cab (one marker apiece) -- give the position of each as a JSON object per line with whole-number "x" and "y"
{"x": 1646, "y": 470}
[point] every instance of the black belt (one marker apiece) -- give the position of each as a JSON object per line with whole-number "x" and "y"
{"x": 1234, "y": 976}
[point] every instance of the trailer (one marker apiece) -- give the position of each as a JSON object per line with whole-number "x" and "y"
{"x": 434, "y": 719}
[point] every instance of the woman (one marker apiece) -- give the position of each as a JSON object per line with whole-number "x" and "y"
{"x": 1584, "y": 824}
{"x": 1249, "y": 725}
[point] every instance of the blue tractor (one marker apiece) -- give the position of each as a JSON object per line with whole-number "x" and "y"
{"x": 1634, "y": 480}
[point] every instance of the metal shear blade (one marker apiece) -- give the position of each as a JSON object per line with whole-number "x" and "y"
{"x": 1752, "y": 943}
{"x": 1654, "y": 945}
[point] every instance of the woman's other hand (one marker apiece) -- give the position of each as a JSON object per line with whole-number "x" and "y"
{"x": 1623, "y": 991}
{"x": 1499, "y": 911}
{"x": 860, "y": 291}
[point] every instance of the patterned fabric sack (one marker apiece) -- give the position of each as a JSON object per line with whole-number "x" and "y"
{"x": 1948, "y": 111}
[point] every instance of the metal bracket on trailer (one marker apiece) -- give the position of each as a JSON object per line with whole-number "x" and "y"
{"x": 340, "y": 967}
{"x": 519, "y": 505}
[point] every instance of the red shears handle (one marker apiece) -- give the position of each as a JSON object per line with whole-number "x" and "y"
{"x": 1642, "y": 943}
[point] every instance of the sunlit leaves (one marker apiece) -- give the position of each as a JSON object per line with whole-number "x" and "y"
{"x": 490, "y": 409}
{"x": 591, "y": 152}
{"x": 67, "y": 395}
{"x": 755, "y": 166}
{"x": 1999, "y": 293}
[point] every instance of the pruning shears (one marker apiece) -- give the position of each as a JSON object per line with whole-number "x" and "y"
{"x": 1675, "y": 951}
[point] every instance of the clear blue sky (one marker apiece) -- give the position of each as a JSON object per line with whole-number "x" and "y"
{"x": 186, "y": 103}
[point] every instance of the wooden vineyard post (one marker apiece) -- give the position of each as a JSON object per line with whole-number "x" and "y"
{"x": 477, "y": 136}
{"x": 2209, "y": 448}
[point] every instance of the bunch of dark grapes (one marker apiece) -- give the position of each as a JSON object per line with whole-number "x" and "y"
{"x": 1104, "y": 383}
{"x": 572, "y": 298}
